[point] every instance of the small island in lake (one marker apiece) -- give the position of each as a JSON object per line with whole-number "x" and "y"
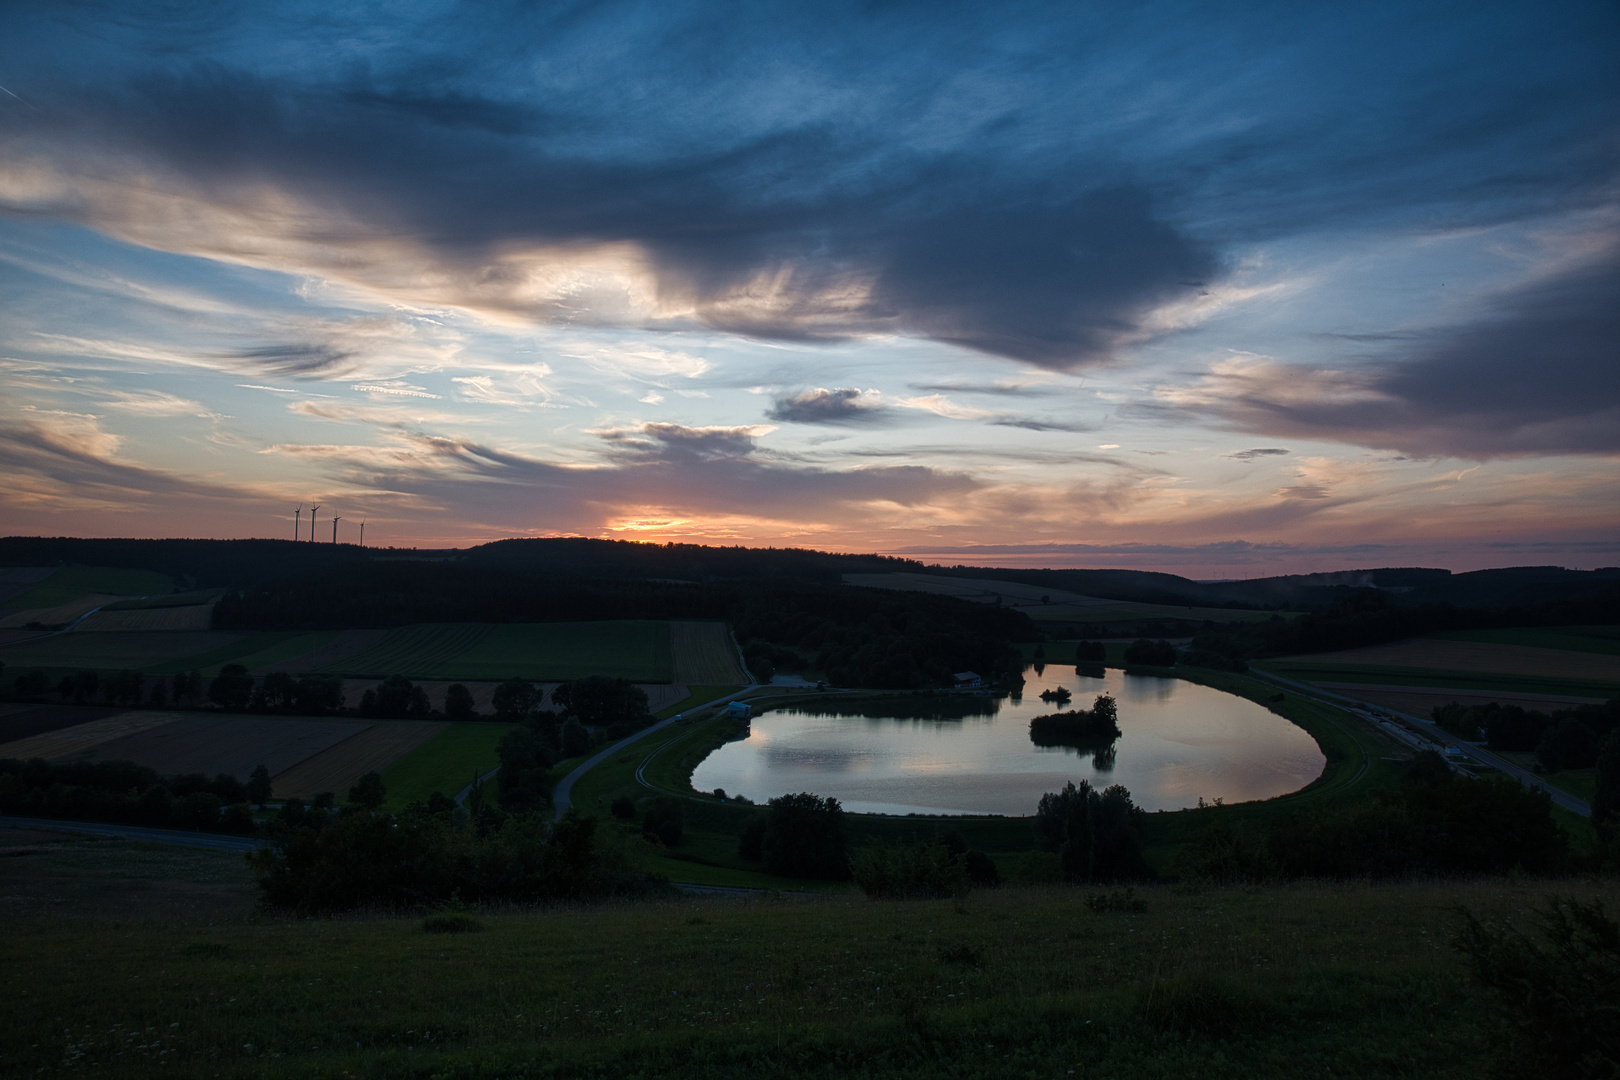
{"x": 1091, "y": 727}
{"x": 1056, "y": 696}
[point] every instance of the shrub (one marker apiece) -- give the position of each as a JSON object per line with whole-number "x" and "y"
{"x": 751, "y": 842}
{"x": 805, "y": 838}
{"x": 664, "y": 822}
{"x": 623, "y": 808}
{"x": 369, "y": 792}
{"x": 1557, "y": 1000}
{"x": 909, "y": 871}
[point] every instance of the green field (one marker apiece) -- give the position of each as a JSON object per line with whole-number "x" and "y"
{"x": 150, "y": 652}
{"x": 1592, "y": 639}
{"x": 1310, "y": 980}
{"x": 1375, "y": 674}
{"x": 286, "y": 648}
{"x": 71, "y": 582}
{"x": 631, "y": 649}
{"x": 445, "y": 763}
{"x": 249, "y": 644}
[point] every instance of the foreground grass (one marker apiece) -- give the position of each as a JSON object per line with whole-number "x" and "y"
{"x": 1343, "y": 981}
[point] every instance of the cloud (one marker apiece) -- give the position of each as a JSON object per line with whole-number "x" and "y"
{"x": 1537, "y": 375}
{"x": 845, "y": 405}
{"x": 1258, "y": 452}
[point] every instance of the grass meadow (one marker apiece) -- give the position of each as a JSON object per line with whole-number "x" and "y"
{"x": 71, "y": 582}
{"x": 1314, "y": 980}
{"x": 446, "y": 763}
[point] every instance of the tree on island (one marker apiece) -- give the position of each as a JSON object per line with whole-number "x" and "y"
{"x": 1093, "y": 727}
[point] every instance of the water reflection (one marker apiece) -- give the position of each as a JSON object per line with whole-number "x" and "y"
{"x": 955, "y": 754}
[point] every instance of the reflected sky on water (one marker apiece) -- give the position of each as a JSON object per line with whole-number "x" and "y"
{"x": 1181, "y": 742}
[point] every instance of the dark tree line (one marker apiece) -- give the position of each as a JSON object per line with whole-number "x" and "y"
{"x": 1565, "y": 739}
{"x": 1096, "y": 834}
{"x": 1371, "y": 617}
{"x": 1437, "y": 824}
{"x": 124, "y": 793}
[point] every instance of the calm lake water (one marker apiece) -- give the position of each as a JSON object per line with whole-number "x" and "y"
{"x": 1181, "y": 742}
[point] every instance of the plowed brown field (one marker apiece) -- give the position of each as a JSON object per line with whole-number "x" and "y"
{"x": 338, "y": 767}
{"x": 71, "y": 741}
{"x": 1474, "y": 656}
{"x": 228, "y": 744}
{"x": 62, "y": 613}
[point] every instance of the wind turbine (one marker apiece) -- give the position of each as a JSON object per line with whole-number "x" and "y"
{"x": 312, "y": 510}
{"x": 296, "y": 515}
{"x": 362, "y": 532}
{"x": 335, "y": 520}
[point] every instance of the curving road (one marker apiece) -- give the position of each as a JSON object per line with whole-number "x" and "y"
{"x": 561, "y": 796}
{"x": 1436, "y": 734}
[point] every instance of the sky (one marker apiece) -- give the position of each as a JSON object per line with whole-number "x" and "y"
{"x": 1225, "y": 290}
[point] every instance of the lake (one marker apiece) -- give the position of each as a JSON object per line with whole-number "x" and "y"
{"x": 964, "y": 754}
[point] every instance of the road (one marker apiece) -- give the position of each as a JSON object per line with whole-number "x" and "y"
{"x": 211, "y": 841}
{"x": 1438, "y": 735}
{"x": 561, "y": 795}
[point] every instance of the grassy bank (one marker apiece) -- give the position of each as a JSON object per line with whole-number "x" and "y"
{"x": 1304, "y": 981}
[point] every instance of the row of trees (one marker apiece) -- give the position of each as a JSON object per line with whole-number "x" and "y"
{"x": 125, "y": 793}
{"x": 1565, "y": 739}
{"x": 1437, "y": 823}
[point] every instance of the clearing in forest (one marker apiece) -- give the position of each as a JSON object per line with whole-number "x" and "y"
{"x": 703, "y": 653}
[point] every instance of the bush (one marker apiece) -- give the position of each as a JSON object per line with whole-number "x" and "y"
{"x": 909, "y": 871}
{"x": 1556, "y": 1001}
{"x": 751, "y": 842}
{"x": 525, "y": 775}
{"x": 805, "y": 838}
{"x": 623, "y": 808}
{"x": 369, "y": 792}
{"x": 664, "y": 822}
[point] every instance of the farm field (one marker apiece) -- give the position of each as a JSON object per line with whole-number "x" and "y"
{"x": 336, "y": 768}
{"x": 418, "y": 651}
{"x": 56, "y": 616}
{"x": 20, "y": 721}
{"x": 1590, "y": 639}
{"x": 239, "y": 645}
{"x": 634, "y": 649}
{"x": 16, "y": 580}
{"x": 71, "y": 582}
{"x": 1434, "y": 678}
{"x": 446, "y": 763}
{"x": 311, "y": 652}
{"x": 1422, "y": 702}
{"x": 114, "y": 650}
{"x": 1479, "y": 656}
{"x": 703, "y": 653}
{"x": 1063, "y": 606}
{"x": 188, "y": 617}
{"x": 210, "y": 744}
{"x": 195, "y": 598}
{"x": 72, "y": 740}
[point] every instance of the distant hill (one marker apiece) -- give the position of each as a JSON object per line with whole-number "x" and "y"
{"x": 247, "y": 563}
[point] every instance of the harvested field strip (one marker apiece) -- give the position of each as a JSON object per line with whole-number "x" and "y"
{"x": 25, "y": 721}
{"x": 445, "y": 764}
{"x": 194, "y": 617}
{"x": 212, "y": 744}
{"x": 702, "y": 652}
{"x": 71, "y": 582}
{"x": 186, "y": 599}
{"x": 16, "y": 580}
{"x": 421, "y": 651}
{"x": 1482, "y": 656}
{"x": 114, "y": 650}
{"x": 1462, "y": 680}
{"x": 72, "y": 741}
{"x": 337, "y": 768}
{"x": 312, "y": 652}
{"x": 1591, "y": 639}
{"x": 59, "y": 615}
{"x": 1421, "y": 701}
{"x": 209, "y": 663}
{"x": 634, "y": 649}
